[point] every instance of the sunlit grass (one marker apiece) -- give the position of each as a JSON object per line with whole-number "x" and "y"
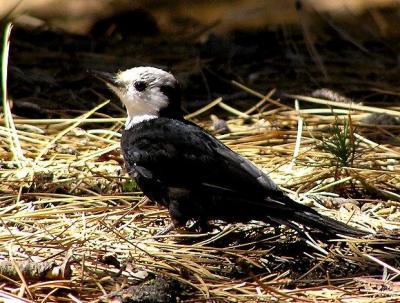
{"x": 15, "y": 145}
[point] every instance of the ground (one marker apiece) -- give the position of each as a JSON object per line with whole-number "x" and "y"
{"x": 314, "y": 104}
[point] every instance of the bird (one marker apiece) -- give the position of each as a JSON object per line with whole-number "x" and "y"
{"x": 179, "y": 165}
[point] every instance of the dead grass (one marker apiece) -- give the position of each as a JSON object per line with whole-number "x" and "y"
{"x": 73, "y": 228}
{"x": 63, "y": 201}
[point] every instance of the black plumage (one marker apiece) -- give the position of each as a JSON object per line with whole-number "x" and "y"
{"x": 194, "y": 175}
{"x": 197, "y": 177}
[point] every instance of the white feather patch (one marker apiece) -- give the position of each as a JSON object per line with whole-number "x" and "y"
{"x": 131, "y": 121}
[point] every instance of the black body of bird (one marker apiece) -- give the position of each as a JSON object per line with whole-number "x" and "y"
{"x": 194, "y": 175}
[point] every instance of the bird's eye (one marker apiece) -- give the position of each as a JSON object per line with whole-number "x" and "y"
{"x": 140, "y": 86}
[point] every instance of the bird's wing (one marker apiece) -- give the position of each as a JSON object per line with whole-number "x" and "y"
{"x": 182, "y": 155}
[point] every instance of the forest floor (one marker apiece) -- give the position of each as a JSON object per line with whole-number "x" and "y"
{"x": 320, "y": 116}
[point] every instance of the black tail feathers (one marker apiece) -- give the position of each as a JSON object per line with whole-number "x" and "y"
{"x": 326, "y": 225}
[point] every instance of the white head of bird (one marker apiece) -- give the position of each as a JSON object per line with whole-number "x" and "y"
{"x": 143, "y": 90}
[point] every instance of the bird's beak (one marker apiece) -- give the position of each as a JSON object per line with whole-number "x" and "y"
{"x": 108, "y": 78}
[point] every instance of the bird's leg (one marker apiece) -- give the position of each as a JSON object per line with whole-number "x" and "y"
{"x": 203, "y": 226}
{"x": 170, "y": 227}
{"x": 177, "y": 218}
{"x": 178, "y": 214}
{"x": 200, "y": 226}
